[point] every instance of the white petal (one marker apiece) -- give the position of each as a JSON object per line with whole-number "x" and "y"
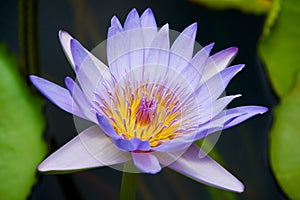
{"x": 205, "y": 170}
{"x": 218, "y": 62}
{"x": 182, "y": 49}
{"x": 149, "y": 27}
{"x": 91, "y": 148}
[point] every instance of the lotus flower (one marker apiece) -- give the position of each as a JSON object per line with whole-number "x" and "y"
{"x": 152, "y": 101}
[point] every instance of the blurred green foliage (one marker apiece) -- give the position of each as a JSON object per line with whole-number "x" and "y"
{"x": 21, "y": 128}
{"x": 285, "y": 139}
{"x": 248, "y": 6}
{"x": 279, "y": 51}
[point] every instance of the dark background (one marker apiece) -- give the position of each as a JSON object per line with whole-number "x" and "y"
{"x": 244, "y": 148}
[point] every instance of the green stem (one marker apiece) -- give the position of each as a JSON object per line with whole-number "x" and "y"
{"x": 28, "y": 36}
{"x": 128, "y": 186}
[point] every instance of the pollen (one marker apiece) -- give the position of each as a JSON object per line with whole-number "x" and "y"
{"x": 146, "y": 111}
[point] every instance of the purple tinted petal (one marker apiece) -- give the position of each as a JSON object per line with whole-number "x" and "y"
{"x": 146, "y": 162}
{"x": 229, "y": 118}
{"x": 133, "y": 144}
{"x": 158, "y": 54}
{"x": 249, "y": 111}
{"x": 132, "y": 21}
{"x": 213, "y": 88}
{"x": 58, "y": 95}
{"x": 215, "y": 108}
{"x": 185, "y": 140}
{"x": 80, "y": 99}
{"x": 177, "y": 144}
{"x": 65, "y": 40}
{"x": 148, "y": 19}
{"x": 205, "y": 170}
{"x": 79, "y": 53}
{"x": 182, "y": 49}
{"x": 116, "y": 23}
{"x": 217, "y": 123}
{"x": 218, "y": 62}
{"x": 106, "y": 126}
{"x": 140, "y": 145}
{"x": 149, "y": 27}
{"x": 91, "y": 148}
{"x": 193, "y": 71}
{"x": 117, "y": 52}
{"x": 90, "y": 74}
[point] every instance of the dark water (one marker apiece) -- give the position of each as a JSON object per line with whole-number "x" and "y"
{"x": 243, "y": 148}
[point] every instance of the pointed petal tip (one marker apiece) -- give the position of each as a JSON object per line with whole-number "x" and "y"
{"x": 164, "y": 28}
{"x": 210, "y": 46}
{"x": 148, "y": 11}
{"x": 133, "y": 11}
{"x": 263, "y": 110}
{"x": 33, "y": 78}
{"x": 115, "y": 22}
{"x": 69, "y": 84}
{"x": 233, "y": 49}
{"x": 194, "y": 25}
{"x": 64, "y": 37}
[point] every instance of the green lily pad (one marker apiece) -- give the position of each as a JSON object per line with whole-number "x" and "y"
{"x": 280, "y": 50}
{"x": 284, "y": 143}
{"x": 21, "y": 128}
{"x": 248, "y": 6}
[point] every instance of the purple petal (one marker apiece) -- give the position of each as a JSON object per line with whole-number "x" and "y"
{"x": 182, "y": 49}
{"x": 176, "y": 144}
{"x": 79, "y": 53}
{"x": 146, "y": 162}
{"x": 218, "y": 62}
{"x": 205, "y": 170}
{"x": 58, "y": 95}
{"x": 80, "y": 99}
{"x": 215, "y": 108}
{"x": 91, "y": 148}
{"x": 116, "y": 23}
{"x": 193, "y": 71}
{"x": 229, "y": 118}
{"x": 213, "y": 88}
{"x": 249, "y": 111}
{"x": 133, "y": 144}
{"x": 158, "y": 54}
{"x": 149, "y": 27}
{"x": 148, "y": 19}
{"x": 185, "y": 140}
{"x": 117, "y": 52}
{"x": 106, "y": 126}
{"x": 134, "y": 43}
{"x": 132, "y": 21}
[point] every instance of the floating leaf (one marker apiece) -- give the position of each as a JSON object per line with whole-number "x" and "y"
{"x": 284, "y": 146}
{"x": 247, "y": 6}
{"x": 280, "y": 50}
{"x": 21, "y": 128}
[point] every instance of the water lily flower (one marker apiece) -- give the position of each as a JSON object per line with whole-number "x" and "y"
{"x": 152, "y": 101}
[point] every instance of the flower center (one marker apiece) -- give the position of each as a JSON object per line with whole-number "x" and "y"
{"x": 146, "y": 111}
